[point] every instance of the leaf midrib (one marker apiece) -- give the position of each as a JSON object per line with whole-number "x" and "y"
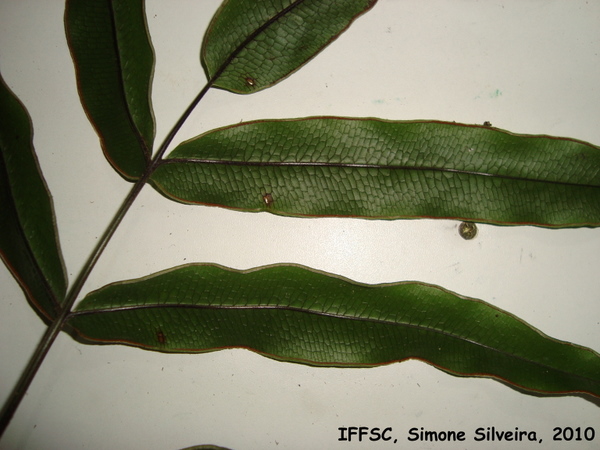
{"x": 336, "y": 316}
{"x": 250, "y": 38}
{"x": 391, "y": 167}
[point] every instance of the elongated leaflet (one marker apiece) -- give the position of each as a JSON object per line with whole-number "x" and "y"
{"x": 114, "y": 63}
{"x": 295, "y": 314}
{"x": 331, "y": 166}
{"x": 28, "y": 238}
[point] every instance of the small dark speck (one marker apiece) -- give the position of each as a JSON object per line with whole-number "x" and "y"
{"x": 487, "y": 124}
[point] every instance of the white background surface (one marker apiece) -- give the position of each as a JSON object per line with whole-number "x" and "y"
{"x": 525, "y": 65}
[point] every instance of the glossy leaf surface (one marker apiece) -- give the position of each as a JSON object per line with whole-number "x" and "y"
{"x": 114, "y": 63}
{"x": 28, "y": 240}
{"x": 294, "y": 314}
{"x": 252, "y": 45}
{"x": 383, "y": 169}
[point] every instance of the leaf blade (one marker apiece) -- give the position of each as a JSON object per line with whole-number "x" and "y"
{"x": 114, "y": 63}
{"x": 294, "y": 314}
{"x": 29, "y": 242}
{"x": 250, "y": 46}
{"x": 371, "y": 168}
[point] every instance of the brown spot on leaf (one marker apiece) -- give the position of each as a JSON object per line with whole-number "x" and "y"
{"x": 268, "y": 199}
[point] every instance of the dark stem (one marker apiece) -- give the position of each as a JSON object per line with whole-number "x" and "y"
{"x": 18, "y": 392}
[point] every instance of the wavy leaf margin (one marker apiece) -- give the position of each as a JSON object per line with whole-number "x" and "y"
{"x": 296, "y": 314}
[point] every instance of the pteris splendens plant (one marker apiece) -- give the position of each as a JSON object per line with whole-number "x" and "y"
{"x": 309, "y": 167}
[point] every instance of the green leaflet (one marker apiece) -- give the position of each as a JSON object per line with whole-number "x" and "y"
{"x": 252, "y": 45}
{"x": 294, "y": 314}
{"x": 373, "y": 168}
{"x": 114, "y": 62}
{"x": 28, "y": 240}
